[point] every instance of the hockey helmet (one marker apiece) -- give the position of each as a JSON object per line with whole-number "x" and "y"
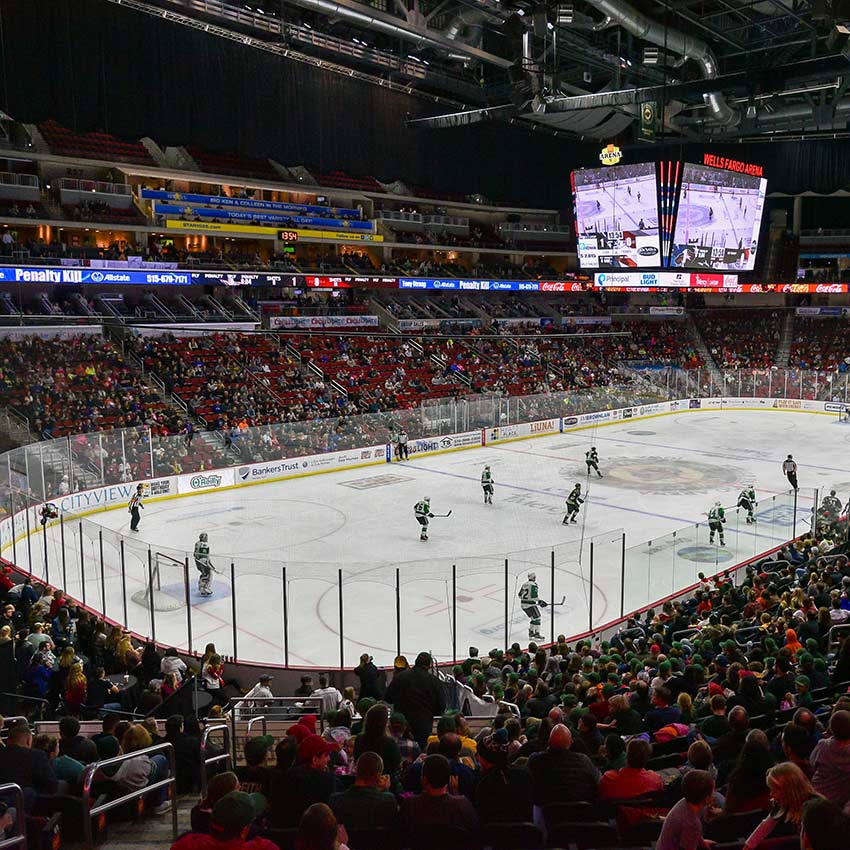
{"x": 593, "y": 448}
{"x": 578, "y": 486}
{"x": 717, "y": 504}
{"x": 532, "y": 576}
{"x": 790, "y": 457}
{"x": 427, "y": 500}
{"x": 487, "y": 467}
{"x": 203, "y": 537}
{"x": 832, "y": 492}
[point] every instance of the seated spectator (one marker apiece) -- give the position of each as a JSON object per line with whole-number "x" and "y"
{"x": 435, "y": 806}
{"x": 375, "y": 738}
{"x": 634, "y": 780}
{"x": 824, "y": 826}
{"x": 503, "y": 792}
{"x": 72, "y": 743}
{"x": 407, "y": 747}
{"x": 319, "y": 830}
{"x": 682, "y": 828}
{"x": 172, "y": 663}
{"x": 102, "y": 693}
{"x": 308, "y": 782}
{"x": 219, "y": 785}
{"x": 831, "y": 761}
{"x": 747, "y": 788}
{"x": 790, "y": 791}
{"x": 255, "y": 777}
{"x": 662, "y": 712}
{"x": 29, "y": 768}
{"x": 107, "y": 727}
{"x": 68, "y": 770}
{"x": 559, "y": 775}
{"x": 76, "y": 690}
{"x": 232, "y": 818}
{"x": 796, "y": 749}
{"x": 185, "y": 737}
{"x": 715, "y": 725}
{"x": 367, "y": 673}
{"x": 368, "y": 804}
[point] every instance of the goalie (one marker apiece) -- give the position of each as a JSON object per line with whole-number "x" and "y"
{"x": 203, "y": 565}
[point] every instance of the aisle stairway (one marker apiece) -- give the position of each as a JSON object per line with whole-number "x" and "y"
{"x": 783, "y": 349}
{"x": 704, "y": 353}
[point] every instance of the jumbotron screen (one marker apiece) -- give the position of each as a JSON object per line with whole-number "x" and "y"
{"x": 617, "y": 217}
{"x": 718, "y": 220}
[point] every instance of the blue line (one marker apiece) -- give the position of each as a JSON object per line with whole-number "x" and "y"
{"x": 607, "y": 504}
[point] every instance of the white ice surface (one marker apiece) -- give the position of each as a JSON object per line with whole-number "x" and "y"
{"x": 661, "y": 474}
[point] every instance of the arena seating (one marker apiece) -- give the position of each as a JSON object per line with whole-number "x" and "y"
{"x": 232, "y": 163}
{"x": 95, "y": 145}
{"x": 820, "y": 344}
{"x": 346, "y": 181}
{"x": 656, "y": 342}
{"x": 741, "y": 338}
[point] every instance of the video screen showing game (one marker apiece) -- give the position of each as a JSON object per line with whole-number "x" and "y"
{"x": 617, "y": 217}
{"x": 718, "y": 221}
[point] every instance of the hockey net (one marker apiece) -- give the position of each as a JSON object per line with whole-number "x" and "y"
{"x": 167, "y": 573}
{"x": 843, "y": 413}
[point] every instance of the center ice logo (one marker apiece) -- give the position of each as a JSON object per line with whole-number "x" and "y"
{"x": 663, "y": 475}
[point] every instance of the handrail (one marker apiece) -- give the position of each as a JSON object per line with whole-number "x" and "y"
{"x": 225, "y": 756}
{"x": 42, "y": 702}
{"x": 252, "y": 721}
{"x": 88, "y": 778}
{"x": 20, "y": 822}
{"x": 269, "y": 704}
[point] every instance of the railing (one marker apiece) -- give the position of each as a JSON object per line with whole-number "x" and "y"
{"x": 19, "y": 840}
{"x": 226, "y": 755}
{"x": 261, "y": 719}
{"x": 275, "y": 708}
{"x": 169, "y": 782}
{"x": 10, "y": 178}
{"x": 42, "y": 704}
{"x": 101, "y": 186}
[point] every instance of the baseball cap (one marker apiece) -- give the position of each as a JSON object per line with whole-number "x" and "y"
{"x": 804, "y": 681}
{"x": 236, "y": 810}
{"x": 314, "y": 745}
{"x": 266, "y": 678}
{"x": 256, "y": 748}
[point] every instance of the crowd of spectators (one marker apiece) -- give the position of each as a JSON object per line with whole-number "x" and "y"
{"x": 741, "y": 339}
{"x": 819, "y": 344}
{"x": 721, "y": 717}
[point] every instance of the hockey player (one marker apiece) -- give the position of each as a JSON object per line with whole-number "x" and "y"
{"x": 747, "y": 500}
{"x": 573, "y": 501}
{"x": 402, "y": 445}
{"x": 487, "y": 485}
{"x": 789, "y": 469}
{"x": 203, "y": 565}
{"x": 832, "y": 504}
{"x": 716, "y": 518}
{"x": 50, "y": 511}
{"x": 591, "y": 458}
{"x": 422, "y": 510}
{"x": 394, "y": 443}
{"x": 530, "y": 602}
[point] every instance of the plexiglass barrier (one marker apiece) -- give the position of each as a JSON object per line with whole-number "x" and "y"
{"x": 313, "y": 613}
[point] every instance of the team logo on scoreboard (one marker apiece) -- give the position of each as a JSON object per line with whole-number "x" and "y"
{"x": 610, "y": 155}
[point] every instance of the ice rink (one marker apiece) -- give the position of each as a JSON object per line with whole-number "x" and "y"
{"x": 662, "y": 474}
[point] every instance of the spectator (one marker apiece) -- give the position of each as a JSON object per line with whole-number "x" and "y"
{"x": 418, "y": 694}
{"x": 72, "y": 743}
{"x": 367, "y": 673}
{"x": 68, "y": 771}
{"x": 219, "y": 785}
{"x": 308, "y": 782}
{"x": 305, "y": 688}
{"x": 503, "y": 792}
{"x": 662, "y": 713}
{"x": 29, "y": 768}
{"x": 682, "y": 829}
{"x": 375, "y": 738}
{"x": 368, "y": 804}
{"x": 319, "y": 830}
{"x": 559, "y": 775}
{"x": 747, "y": 788}
{"x": 232, "y": 818}
{"x": 100, "y": 689}
{"x": 329, "y": 695}
{"x": 172, "y": 663}
{"x": 831, "y": 760}
{"x": 790, "y": 791}
{"x": 634, "y": 780}
{"x": 407, "y": 747}
{"x": 824, "y": 826}
{"x": 435, "y": 806}
{"x": 255, "y": 777}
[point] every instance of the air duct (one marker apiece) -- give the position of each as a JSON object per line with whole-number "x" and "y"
{"x": 643, "y": 27}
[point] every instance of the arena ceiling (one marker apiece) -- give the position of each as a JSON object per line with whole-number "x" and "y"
{"x": 711, "y": 69}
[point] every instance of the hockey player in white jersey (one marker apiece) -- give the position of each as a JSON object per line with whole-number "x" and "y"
{"x": 531, "y": 603}
{"x": 203, "y": 565}
{"x": 422, "y": 511}
{"x": 747, "y": 501}
{"x": 487, "y": 483}
{"x": 591, "y": 458}
{"x": 574, "y": 501}
{"x": 716, "y": 518}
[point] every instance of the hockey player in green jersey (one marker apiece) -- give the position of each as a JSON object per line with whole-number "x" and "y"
{"x": 747, "y": 500}
{"x": 422, "y": 510}
{"x": 203, "y": 565}
{"x": 487, "y": 485}
{"x": 716, "y": 518}
{"x": 574, "y": 501}
{"x": 530, "y": 602}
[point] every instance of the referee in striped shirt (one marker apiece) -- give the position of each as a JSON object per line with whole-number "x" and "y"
{"x": 133, "y": 508}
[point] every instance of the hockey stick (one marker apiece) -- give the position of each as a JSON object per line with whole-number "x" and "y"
{"x": 543, "y": 604}
{"x": 442, "y": 515}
